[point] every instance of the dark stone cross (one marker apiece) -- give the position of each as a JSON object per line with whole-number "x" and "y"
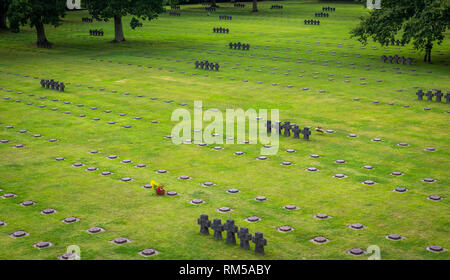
{"x": 287, "y": 129}
{"x": 420, "y": 94}
{"x": 306, "y": 132}
{"x": 269, "y": 126}
{"x": 430, "y": 95}
{"x": 245, "y": 238}
{"x": 218, "y": 228}
{"x": 231, "y": 229}
{"x": 438, "y": 95}
{"x": 62, "y": 86}
{"x": 260, "y": 242}
{"x": 204, "y": 224}
{"x": 296, "y": 132}
{"x": 197, "y": 64}
{"x": 447, "y": 97}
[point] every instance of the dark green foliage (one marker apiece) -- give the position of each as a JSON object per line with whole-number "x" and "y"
{"x": 421, "y": 21}
{"x": 116, "y": 9}
{"x": 3, "y": 13}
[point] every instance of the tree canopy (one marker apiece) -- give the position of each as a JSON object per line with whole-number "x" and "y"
{"x": 116, "y": 9}
{"x": 36, "y": 13}
{"x": 423, "y": 22}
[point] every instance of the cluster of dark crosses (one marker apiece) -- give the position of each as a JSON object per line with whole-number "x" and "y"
{"x": 243, "y": 234}
{"x": 239, "y": 5}
{"x": 322, "y": 14}
{"x": 204, "y": 64}
{"x": 239, "y": 46}
{"x": 396, "y": 59}
{"x": 210, "y": 9}
{"x": 221, "y": 30}
{"x": 313, "y": 22}
{"x": 45, "y": 45}
{"x": 277, "y": 7}
{"x": 176, "y": 14}
{"x": 394, "y": 42}
{"x": 226, "y": 17}
{"x": 430, "y": 95}
{"x": 96, "y": 32}
{"x": 328, "y": 9}
{"x": 52, "y": 84}
{"x": 175, "y": 7}
{"x": 286, "y": 129}
{"x": 85, "y": 19}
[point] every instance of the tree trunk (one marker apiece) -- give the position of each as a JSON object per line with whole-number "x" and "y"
{"x": 255, "y": 5}
{"x": 118, "y": 29}
{"x": 41, "y": 38}
{"x": 3, "y": 25}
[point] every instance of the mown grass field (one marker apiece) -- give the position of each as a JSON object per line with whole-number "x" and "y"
{"x": 286, "y": 48}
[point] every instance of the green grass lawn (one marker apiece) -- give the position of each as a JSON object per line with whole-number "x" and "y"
{"x": 280, "y": 44}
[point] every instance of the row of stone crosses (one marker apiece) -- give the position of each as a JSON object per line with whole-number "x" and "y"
{"x": 175, "y": 7}
{"x": 221, "y": 30}
{"x": 226, "y": 17}
{"x": 322, "y": 14}
{"x": 205, "y": 65}
{"x": 86, "y": 19}
{"x": 52, "y": 84}
{"x": 243, "y": 234}
{"x": 277, "y": 7}
{"x": 96, "y": 32}
{"x": 313, "y": 22}
{"x": 175, "y": 14}
{"x": 210, "y": 9}
{"x": 239, "y": 5}
{"x": 238, "y": 45}
{"x": 328, "y": 9}
{"x": 278, "y": 126}
{"x": 394, "y": 42}
{"x": 430, "y": 95}
{"x": 396, "y": 59}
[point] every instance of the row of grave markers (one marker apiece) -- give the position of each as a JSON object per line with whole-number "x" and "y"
{"x": 231, "y": 229}
{"x": 430, "y": 95}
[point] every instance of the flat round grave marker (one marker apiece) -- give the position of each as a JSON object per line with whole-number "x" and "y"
{"x": 2, "y": 223}
{"x": 429, "y": 180}
{"x": 352, "y": 135}
{"x": 435, "y": 248}
{"x": 322, "y": 216}
{"x": 238, "y": 153}
{"x": 224, "y": 209}
{"x": 172, "y": 193}
{"x": 112, "y": 157}
{"x": 368, "y": 167}
{"x": 120, "y": 240}
{"x": 262, "y": 158}
{"x": 253, "y": 219}
{"x": 340, "y": 161}
{"x": 233, "y": 191}
{"x": 319, "y": 240}
{"x": 48, "y": 211}
{"x": 9, "y": 195}
{"x": 312, "y": 169}
{"x": 70, "y": 220}
{"x": 147, "y": 252}
{"x": 92, "y": 168}
{"x": 77, "y": 164}
{"x": 4, "y": 141}
{"x": 340, "y": 176}
{"x": 396, "y": 173}
{"x": 27, "y": 203}
{"x": 290, "y": 151}
{"x": 434, "y": 197}
{"x": 208, "y": 184}
{"x": 356, "y": 251}
{"x": 356, "y": 226}
{"x": 52, "y": 140}
{"x": 197, "y": 201}
{"x": 141, "y": 165}
{"x": 394, "y": 237}
{"x": 59, "y": 158}
{"x": 42, "y": 244}
{"x": 369, "y": 182}
{"x": 184, "y": 177}
{"x": 400, "y": 189}
{"x": 285, "y": 228}
{"x": 403, "y": 144}
{"x": 261, "y": 198}
{"x": 18, "y": 234}
{"x": 161, "y": 171}
{"x": 430, "y": 149}
{"x": 286, "y": 163}
{"x": 376, "y": 140}
{"x": 126, "y": 179}
{"x": 95, "y": 230}
{"x": 291, "y": 207}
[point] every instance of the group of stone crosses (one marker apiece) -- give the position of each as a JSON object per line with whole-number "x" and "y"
{"x": 277, "y": 7}
{"x": 176, "y": 14}
{"x": 396, "y": 59}
{"x": 430, "y": 95}
{"x": 210, "y": 9}
{"x": 287, "y": 127}
{"x": 238, "y": 45}
{"x": 221, "y": 30}
{"x": 206, "y": 65}
{"x": 239, "y": 5}
{"x": 322, "y": 14}
{"x": 96, "y": 32}
{"x": 175, "y": 7}
{"x": 394, "y": 42}
{"x": 226, "y": 17}
{"x": 231, "y": 229}
{"x": 328, "y": 9}
{"x": 85, "y": 19}
{"x": 313, "y": 22}
{"x": 52, "y": 84}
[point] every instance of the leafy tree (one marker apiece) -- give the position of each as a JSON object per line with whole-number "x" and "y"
{"x": 116, "y": 9}
{"x": 3, "y": 13}
{"x": 36, "y": 13}
{"x": 421, "y": 21}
